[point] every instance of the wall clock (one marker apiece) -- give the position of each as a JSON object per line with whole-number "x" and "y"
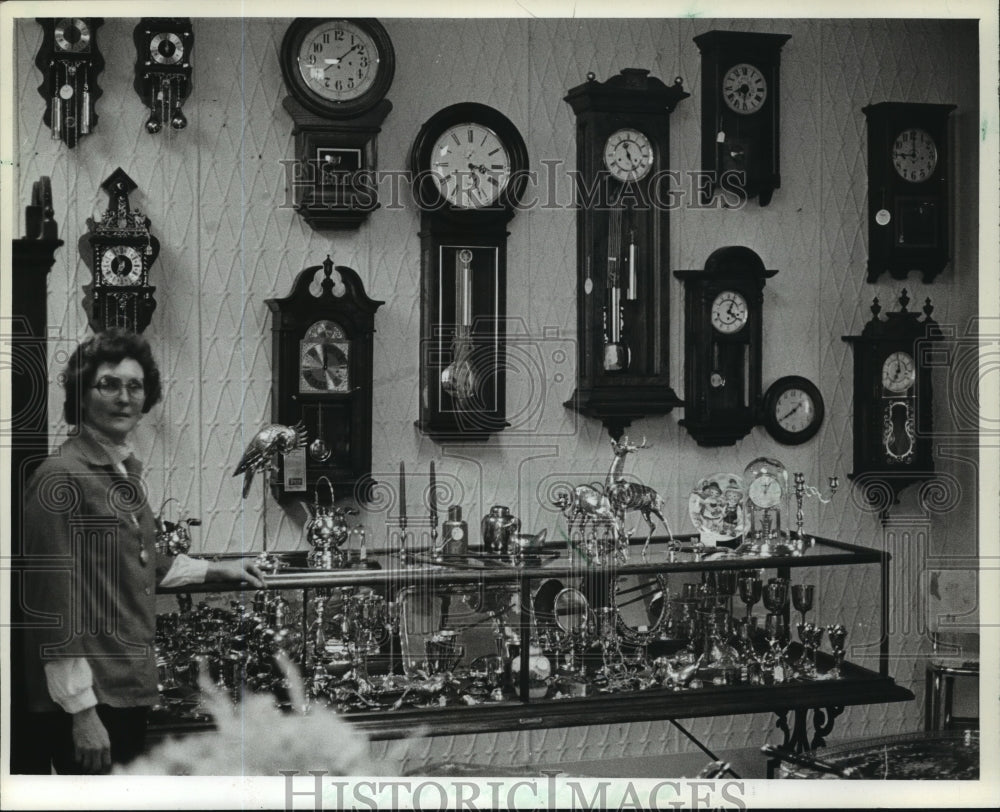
{"x": 338, "y": 72}
{"x": 723, "y": 328}
{"x": 740, "y": 108}
{"x": 70, "y": 62}
{"x": 163, "y": 49}
{"x": 908, "y": 195}
{"x": 793, "y": 410}
{"x": 892, "y": 402}
{"x": 323, "y": 346}
{"x": 120, "y": 250}
{"x": 623, "y": 247}
{"x": 470, "y": 162}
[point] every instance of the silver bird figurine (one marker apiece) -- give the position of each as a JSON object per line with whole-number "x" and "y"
{"x": 266, "y": 444}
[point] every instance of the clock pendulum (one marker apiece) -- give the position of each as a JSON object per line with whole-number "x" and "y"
{"x": 458, "y": 378}
{"x": 318, "y": 449}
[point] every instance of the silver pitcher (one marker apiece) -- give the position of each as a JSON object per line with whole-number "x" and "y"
{"x": 497, "y": 528}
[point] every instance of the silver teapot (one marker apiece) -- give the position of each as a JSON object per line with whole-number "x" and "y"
{"x": 173, "y": 538}
{"x": 498, "y": 526}
{"x": 326, "y": 528}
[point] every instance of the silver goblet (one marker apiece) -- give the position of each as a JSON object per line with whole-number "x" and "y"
{"x": 802, "y": 598}
{"x": 838, "y": 636}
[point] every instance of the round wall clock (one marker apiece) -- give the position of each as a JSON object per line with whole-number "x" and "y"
{"x": 793, "y": 410}
{"x": 337, "y": 67}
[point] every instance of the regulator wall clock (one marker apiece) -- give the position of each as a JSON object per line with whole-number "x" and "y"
{"x": 623, "y": 247}
{"x": 120, "y": 251}
{"x": 338, "y": 72}
{"x": 740, "y": 111}
{"x": 723, "y": 329}
{"x": 70, "y": 62}
{"x": 892, "y": 401}
{"x": 470, "y": 160}
{"x": 908, "y": 194}
{"x": 163, "y": 49}
{"x": 323, "y": 334}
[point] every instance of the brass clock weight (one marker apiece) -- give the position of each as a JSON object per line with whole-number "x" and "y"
{"x": 623, "y": 290}
{"x": 322, "y": 335}
{"x": 163, "y": 49}
{"x": 120, "y": 250}
{"x": 908, "y": 189}
{"x": 337, "y": 72}
{"x": 893, "y": 423}
{"x": 70, "y": 62}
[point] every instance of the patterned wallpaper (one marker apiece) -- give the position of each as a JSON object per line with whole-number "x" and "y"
{"x": 216, "y": 194}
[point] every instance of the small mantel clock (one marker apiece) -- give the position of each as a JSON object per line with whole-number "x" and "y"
{"x": 323, "y": 347}
{"x": 338, "y": 72}
{"x": 892, "y": 402}
{"x": 120, "y": 250}
{"x": 740, "y": 73}
{"x": 470, "y": 161}
{"x": 908, "y": 195}
{"x": 70, "y": 62}
{"x": 723, "y": 329}
{"x": 623, "y": 247}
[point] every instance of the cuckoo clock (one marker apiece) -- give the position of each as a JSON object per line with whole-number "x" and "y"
{"x": 323, "y": 346}
{"x": 893, "y": 444}
{"x": 70, "y": 62}
{"x": 163, "y": 47}
{"x": 623, "y": 247}
{"x": 740, "y": 73}
{"x": 338, "y": 73}
{"x": 120, "y": 252}
{"x": 471, "y": 160}
{"x": 908, "y": 195}
{"x": 723, "y": 330}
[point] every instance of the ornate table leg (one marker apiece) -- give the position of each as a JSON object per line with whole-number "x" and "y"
{"x": 796, "y": 737}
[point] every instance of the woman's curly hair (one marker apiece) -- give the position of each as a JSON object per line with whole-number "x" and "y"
{"x": 109, "y": 347}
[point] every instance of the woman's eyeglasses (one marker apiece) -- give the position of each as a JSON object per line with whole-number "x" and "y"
{"x": 110, "y": 387}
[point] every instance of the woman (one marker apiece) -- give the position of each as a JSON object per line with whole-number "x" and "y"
{"x": 90, "y": 659}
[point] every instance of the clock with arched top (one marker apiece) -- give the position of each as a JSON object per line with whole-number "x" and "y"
{"x": 323, "y": 347}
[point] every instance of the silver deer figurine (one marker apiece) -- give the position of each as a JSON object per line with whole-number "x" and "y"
{"x": 628, "y": 496}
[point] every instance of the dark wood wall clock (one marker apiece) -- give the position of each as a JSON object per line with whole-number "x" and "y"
{"x": 723, "y": 329}
{"x": 892, "y": 402}
{"x": 322, "y": 351}
{"x": 908, "y": 189}
{"x": 338, "y": 72}
{"x": 119, "y": 250}
{"x": 70, "y": 62}
{"x": 793, "y": 410}
{"x": 163, "y": 50}
{"x": 623, "y": 247}
{"x": 740, "y": 110}
{"x": 469, "y": 161}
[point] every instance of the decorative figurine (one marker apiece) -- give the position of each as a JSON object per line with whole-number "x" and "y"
{"x": 270, "y": 441}
{"x": 625, "y": 496}
{"x": 173, "y": 538}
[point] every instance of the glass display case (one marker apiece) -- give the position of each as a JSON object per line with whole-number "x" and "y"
{"x": 413, "y": 638}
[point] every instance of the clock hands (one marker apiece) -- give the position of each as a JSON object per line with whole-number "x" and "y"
{"x": 788, "y": 414}
{"x": 338, "y": 59}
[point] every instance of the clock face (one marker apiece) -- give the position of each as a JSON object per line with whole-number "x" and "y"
{"x": 744, "y": 89}
{"x": 794, "y": 410}
{"x": 470, "y": 165}
{"x": 121, "y": 265}
{"x": 72, "y": 35}
{"x": 338, "y": 60}
{"x": 729, "y": 312}
{"x": 628, "y": 155}
{"x": 166, "y": 48}
{"x": 323, "y": 365}
{"x": 898, "y": 372}
{"x": 914, "y": 155}
{"x": 765, "y": 491}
